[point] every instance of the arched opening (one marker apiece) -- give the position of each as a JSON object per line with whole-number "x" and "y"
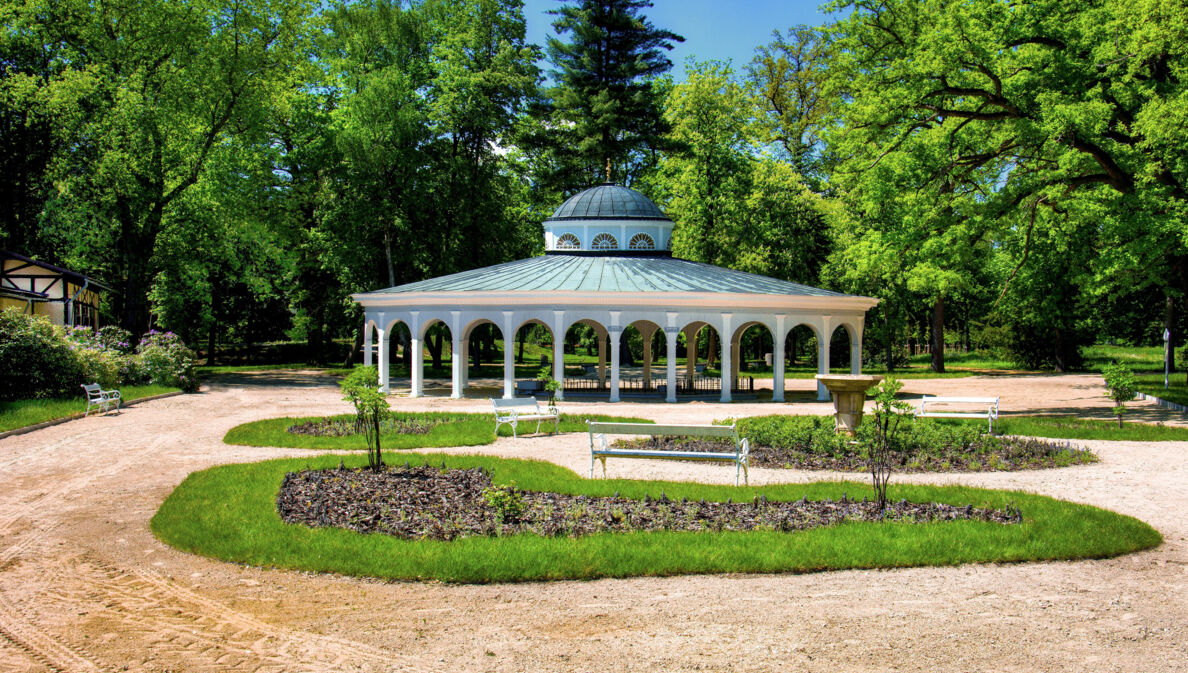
{"x": 751, "y": 355}
{"x": 638, "y": 354}
{"x": 703, "y": 352}
{"x": 586, "y": 341}
{"x": 483, "y": 353}
{"x": 568, "y": 242}
{"x": 845, "y": 350}
{"x": 800, "y": 349}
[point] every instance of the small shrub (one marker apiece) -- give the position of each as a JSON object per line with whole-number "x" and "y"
{"x": 166, "y": 361}
{"x": 114, "y": 338}
{"x": 506, "y": 500}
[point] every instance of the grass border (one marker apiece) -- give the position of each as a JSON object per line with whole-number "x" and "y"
{"x": 124, "y": 404}
{"x": 229, "y": 513}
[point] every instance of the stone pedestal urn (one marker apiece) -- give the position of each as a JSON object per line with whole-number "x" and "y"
{"x": 849, "y": 396}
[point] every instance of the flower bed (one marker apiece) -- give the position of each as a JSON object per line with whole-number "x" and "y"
{"x": 428, "y": 502}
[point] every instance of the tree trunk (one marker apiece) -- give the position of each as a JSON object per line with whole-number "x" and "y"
{"x": 712, "y": 356}
{"x": 938, "y": 336}
{"x": 388, "y": 254}
{"x": 520, "y": 345}
{"x": 791, "y": 350}
{"x": 434, "y": 344}
{"x": 211, "y": 340}
{"x": 888, "y": 337}
{"x": 350, "y": 356}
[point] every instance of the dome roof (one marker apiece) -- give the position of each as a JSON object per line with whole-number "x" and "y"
{"x": 608, "y": 201}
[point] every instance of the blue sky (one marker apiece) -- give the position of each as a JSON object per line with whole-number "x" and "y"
{"x": 720, "y": 29}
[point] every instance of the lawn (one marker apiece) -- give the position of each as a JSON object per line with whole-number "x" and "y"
{"x": 458, "y": 430}
{"x": 1071, "y": 427}
{"x": 229, "y": 512}
{"x": 23, "y": 413}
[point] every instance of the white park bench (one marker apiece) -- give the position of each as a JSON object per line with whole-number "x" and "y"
{"x": 99, "y": 398}
{"x": 519, "y": 409}
{"x": 600, "y": 450}
{"x": 928, "y": 404}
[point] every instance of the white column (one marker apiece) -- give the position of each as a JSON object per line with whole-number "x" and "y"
{"x": 465, "y": 361}
{"x": 559, "y": 351}
{"x": 384, "y": 347}
{"x": 777, "y": 361}
{"x": 509, "y": 353}
{"x": 822, "y": 367}
{"x": 671, "y": 337}
{"x": 727, "y": 346}
{"x": 735, "y": 358}
{"x": 457, "y": 360}
{"x": 855, "y": 354}
{"x": 418, "y": 358}
{"x": 367, "y": 361}
{"x": 613, "y": 342}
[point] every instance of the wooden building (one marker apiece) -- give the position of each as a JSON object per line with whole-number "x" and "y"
{"x": 64, "y": 296}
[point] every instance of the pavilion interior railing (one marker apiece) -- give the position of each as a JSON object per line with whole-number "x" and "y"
{"x": 699, "y": 384}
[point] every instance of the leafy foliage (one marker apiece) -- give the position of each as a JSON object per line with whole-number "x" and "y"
{"x": 1122, "y": 387}
{"x": 888, "y": 414}
{"x": 361, "y": 389}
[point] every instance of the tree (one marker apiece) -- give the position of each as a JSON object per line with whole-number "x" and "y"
{"x": 360, "y": 388}
{"x": 880, "y": 446}
{"x": 603, "y": 119}
{"x": 788, "y": 77}
{"x": 143, "y": 94}
{"x": 734, "y": 206}
{"x": 1074, "y": 108}
{"x": 1122, "y": 387}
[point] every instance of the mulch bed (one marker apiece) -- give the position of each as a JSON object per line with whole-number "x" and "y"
{"x": 337, "y": 427}
{"x": 443, "y": 504}
{"x": 1012, "y": 453}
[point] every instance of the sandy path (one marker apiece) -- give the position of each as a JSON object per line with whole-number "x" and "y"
{"x": 84, "y": 586}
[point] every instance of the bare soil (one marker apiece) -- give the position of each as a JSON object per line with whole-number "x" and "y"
{"x": 84, "y": 586}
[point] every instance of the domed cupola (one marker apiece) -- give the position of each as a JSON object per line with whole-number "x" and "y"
{"x": 609, "y": 220}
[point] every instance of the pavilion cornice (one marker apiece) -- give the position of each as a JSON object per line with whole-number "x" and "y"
{"x": 724, "y": 301}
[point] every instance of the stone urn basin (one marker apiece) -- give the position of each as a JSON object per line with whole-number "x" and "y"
{"x": 849, "y": 397}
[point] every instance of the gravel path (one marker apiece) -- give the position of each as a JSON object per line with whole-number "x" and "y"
{"x": 84, "y": 586}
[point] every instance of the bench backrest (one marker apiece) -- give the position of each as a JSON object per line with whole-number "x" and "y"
{"x": 93, "y": 390}
{"x": 602, "y": 428}
{"x": 515, "y": 403}
{"x": 960, "y": 400}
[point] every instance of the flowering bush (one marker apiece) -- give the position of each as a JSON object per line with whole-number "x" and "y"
{"x": 166, "y": 361}
{"x": 116, "y": 339}
{"x": 40, "y": 359}
{"x": 36, "y": 358}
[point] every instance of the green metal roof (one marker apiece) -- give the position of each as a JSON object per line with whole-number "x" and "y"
{"x": 608, "y": 201}
{"x": 599, "y": 273}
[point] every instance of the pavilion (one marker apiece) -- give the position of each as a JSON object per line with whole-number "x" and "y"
{"x": 608, "y": 265}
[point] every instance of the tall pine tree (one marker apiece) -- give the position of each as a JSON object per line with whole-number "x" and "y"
{"x": 603, "y": 119}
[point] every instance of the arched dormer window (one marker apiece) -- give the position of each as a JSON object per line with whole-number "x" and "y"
{"x": 604, "y": 241}
{"x": 642, "y": 241}
{"x": 568, "y": 242}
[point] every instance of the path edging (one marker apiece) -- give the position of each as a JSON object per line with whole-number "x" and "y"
{"x": 75, "y": 416}
{"x": 1174, "y": 406}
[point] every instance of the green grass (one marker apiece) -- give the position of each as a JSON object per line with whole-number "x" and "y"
{"x": 461, "y": 430}
{"x": 1138, "y": 358}
{"x": 1071, "y": 427}
{"x": 229, "y": 513}
{"x": 23, "y": 413}
{"x": 1152, "y": 384}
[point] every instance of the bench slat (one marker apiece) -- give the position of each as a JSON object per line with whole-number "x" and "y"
{"x": 663, "y": 430}
{"x": 682, "y": 455}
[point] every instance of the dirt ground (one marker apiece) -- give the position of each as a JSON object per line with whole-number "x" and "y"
{"x": 84, "y": 586}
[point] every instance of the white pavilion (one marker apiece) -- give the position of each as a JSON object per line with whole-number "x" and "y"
{"x": 608, "y": 265}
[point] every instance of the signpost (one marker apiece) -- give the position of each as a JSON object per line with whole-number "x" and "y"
{"x": 1166, "y": 355}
